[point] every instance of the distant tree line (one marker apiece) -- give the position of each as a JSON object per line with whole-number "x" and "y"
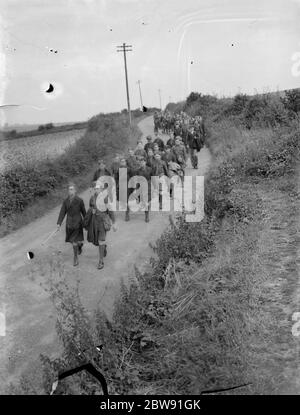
{"x": 45, "y": 126}
{"x": 44, "y": 129}
{"x": 51, "y": 128}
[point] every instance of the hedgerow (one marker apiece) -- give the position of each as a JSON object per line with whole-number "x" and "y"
{"x": 257, "y": 111}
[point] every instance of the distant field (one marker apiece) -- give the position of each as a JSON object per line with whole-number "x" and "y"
{"x": 30, "y": 149}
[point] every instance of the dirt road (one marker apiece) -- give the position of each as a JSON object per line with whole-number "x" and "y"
{"x": 30, "y": 315}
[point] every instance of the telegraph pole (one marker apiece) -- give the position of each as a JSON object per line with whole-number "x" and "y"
{"x": 139, "y": 83}
{"x": 126, "y": 48}
{"x": 159, "y": 93}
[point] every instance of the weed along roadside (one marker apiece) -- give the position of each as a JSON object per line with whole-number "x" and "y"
{"x": 211, "y": 310}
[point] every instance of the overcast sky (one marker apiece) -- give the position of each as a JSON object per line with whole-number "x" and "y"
{"x": 179, "y": 46}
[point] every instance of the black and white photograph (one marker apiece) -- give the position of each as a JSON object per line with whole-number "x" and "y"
{"x": 149, "y": 202}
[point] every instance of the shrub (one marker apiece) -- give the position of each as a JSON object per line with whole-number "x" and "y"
{"x": 184, "y": 241}
{"x": 291, "y": 100}
{"x": 239, "y": 103}
{"x": 204, "y": 105}
{"x": 11, "y": 134}
{"x": 265, "y": 111}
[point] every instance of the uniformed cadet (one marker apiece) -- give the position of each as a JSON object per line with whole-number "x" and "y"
{"x": 73, "y": 207}
{"x": 149, "y": 144}
{"x": 99, "y": 221}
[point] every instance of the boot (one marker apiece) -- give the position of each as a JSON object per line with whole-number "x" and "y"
{"x": 80, "y": 245}
{"x": 171, "y": 191}
{"x": 127, "y": 217}
{"x": 75, "y": 250}
{"x": 195, "y": 164}
{"x": 105, "y": 250}
{"x": 101, "y": 256}
{"x": 147, "y": 216}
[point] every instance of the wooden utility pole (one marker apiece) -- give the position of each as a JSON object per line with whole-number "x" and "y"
{"x": 159, "y": 93}
{"x": 126, "y": 48}
{"x": 139, "y": 83}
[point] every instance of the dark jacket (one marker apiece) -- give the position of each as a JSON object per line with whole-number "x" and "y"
{"x": 148, "y": 145}
{"x": 179, "y": 151}
{"x": 201, "y": 130}
{"x": 115, "y": 168}
{"x": 140, "y": 153}
{"x": 99, "y": 173}
{"x": 169, "y": 157}
{"x": 177, "y": 131}
{"x": 74, "y": 210}
{"x": 95, "y": 222}
{"x": 132, "y": 163}
{"x": 171, "y": 142}
{"x": 159, "y": 168}
{"x": 194, "y": 141}
{"x": 130, "y": 173}
{"x": 98, "y": 213}
{"x": 149, "y": 161}
{"x": 185, "y": 134}
{"x": 160, "y": 143}
{"x": 145, "y": 172}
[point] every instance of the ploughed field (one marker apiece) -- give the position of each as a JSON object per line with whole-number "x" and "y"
{"x": 36, "y": 148}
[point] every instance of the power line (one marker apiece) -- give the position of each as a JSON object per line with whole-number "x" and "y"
{"x": 126, "y": 48}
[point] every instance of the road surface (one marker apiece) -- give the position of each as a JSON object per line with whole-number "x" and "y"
{"x": 29, "y": 314}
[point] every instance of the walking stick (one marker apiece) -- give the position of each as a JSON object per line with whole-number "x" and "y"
{"x": 50, "y": 236}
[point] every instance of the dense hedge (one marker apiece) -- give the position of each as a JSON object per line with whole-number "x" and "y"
{"x": 21, "y": 185}
{"x": 246, "y": 111}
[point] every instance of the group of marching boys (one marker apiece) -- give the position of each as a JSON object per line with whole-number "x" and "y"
{"x": 152, "y": 160}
